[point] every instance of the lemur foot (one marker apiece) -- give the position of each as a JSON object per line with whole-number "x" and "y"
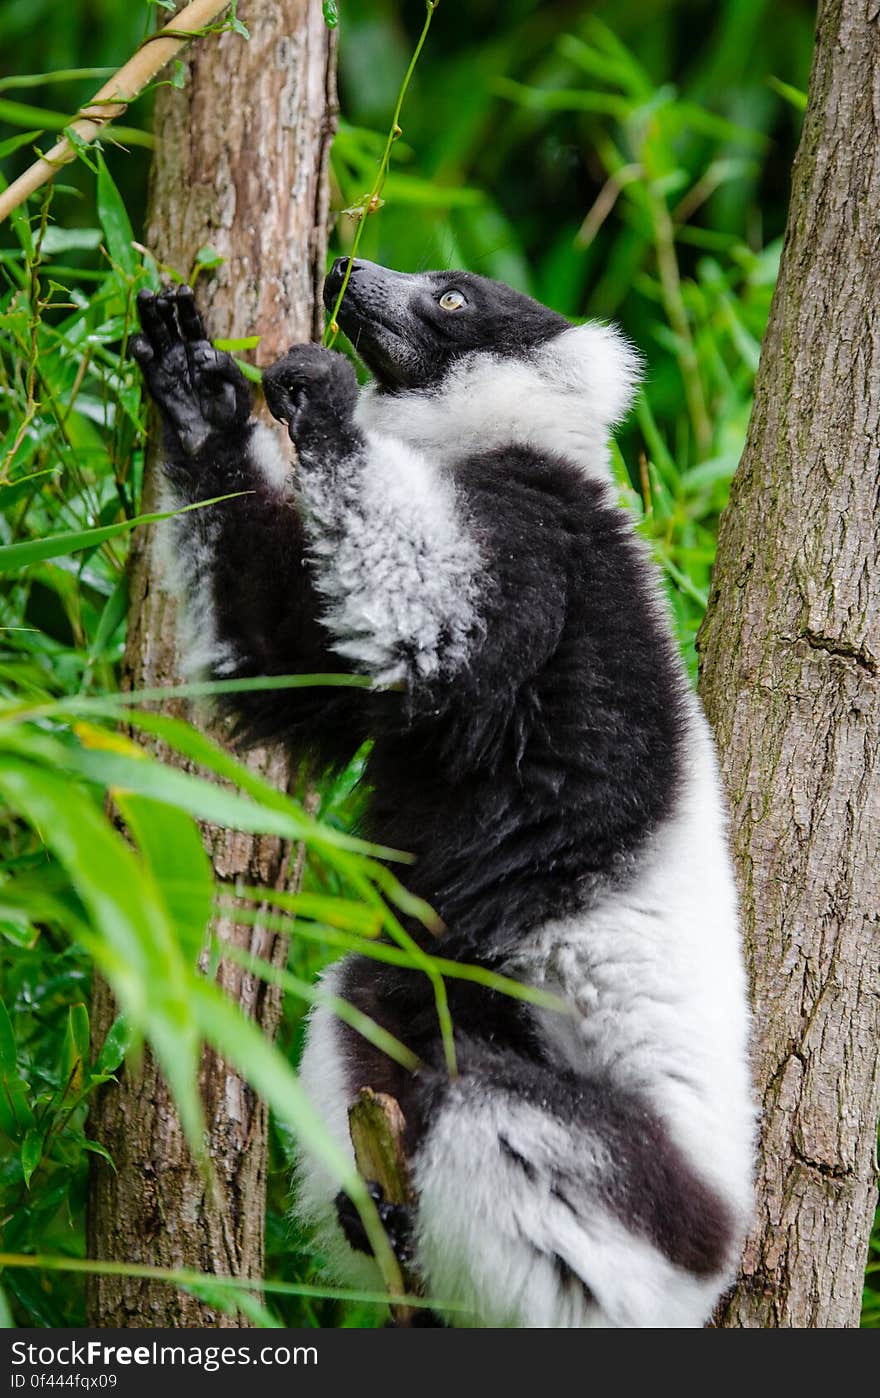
{"x": 312, "y": 390}
{"x": 199, "y": 390}
{"x": 396, "y": 1220}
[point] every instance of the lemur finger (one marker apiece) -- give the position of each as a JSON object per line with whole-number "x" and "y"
{"x": 349, "y": 1221}
{"x": 207, "y": 360}
{"x": 153, "y": 321}
{"x": 140, "y": 349}
{"x": 167, "y": 308}
{"x": 284, "y": 403}
{"x": 187, "y": 314}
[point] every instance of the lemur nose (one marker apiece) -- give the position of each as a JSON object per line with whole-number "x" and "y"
{"x": 337, "y": 271}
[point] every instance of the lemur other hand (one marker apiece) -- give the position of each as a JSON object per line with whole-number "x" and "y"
{"x": 199, "y": 390}
{"x": 312, "y": 390}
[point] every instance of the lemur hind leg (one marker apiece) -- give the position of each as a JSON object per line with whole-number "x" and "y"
{"x": 397, "y": 1220}
{"x": 199, "y": 390}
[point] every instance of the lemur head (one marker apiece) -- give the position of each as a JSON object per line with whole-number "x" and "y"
{"x": 409, "y": 328}
{"x": 459, "y": 361}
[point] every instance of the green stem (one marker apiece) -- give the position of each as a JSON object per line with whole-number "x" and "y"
{"x": 371, "y": 203}
{"x": 673, "y": 302}
{"x": 185, "y": 1278}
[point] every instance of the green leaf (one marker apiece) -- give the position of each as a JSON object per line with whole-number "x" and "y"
{"x": 58, "y": 75}
{"x": 330, "y": 11}
{"x": 205, "y": 260}
{"x": 25, "y": 485}
{"x": 31, "y": 1153}
{"x": 8, "y": 1055}
{"x": 249, "y": 342}
{"x": 230, "y": 1303}
{"x": 19, "y": 930}
{"x": 143, "y": 776}
{"x": 16, "y": 1112}
{"x": 95, "y": 1148}
{"x": 78, "y": 1025}
{"x": 240, "y": 1041}
{"x": 75, "y": 1051}
{"x": 15, "y": 556}
{"x": 114, "y": 1047}
{"x": 203, "y": 751}
{"x": 792, "y": 95}
{"x": 58, "y": 239}
{"x": 112, "y": 617}
{"x": 115, "y": 222}
{"x": 171, "y": 846}
{"x": 15, "y": 143}
{"x": 135, "y": 944}
{"x": 21, "y": 114}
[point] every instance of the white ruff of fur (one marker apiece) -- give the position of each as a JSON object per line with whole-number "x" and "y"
{"x": 394, "y": 561}
{"x": 562, "y": 398}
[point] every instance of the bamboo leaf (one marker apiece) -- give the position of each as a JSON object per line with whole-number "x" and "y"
{"x": 95, "y": 1148}
{"x": 114, "y": 1047}
{"x": 148, "y": 974}
{"x": 31, "y": 1153}
{"x": 115, "y": 222}
{"x": 112, "y": 617}
{"x": 75, "y": 1050}
{"x": 171, "y": 845}
{"x": 8, "y": 1056}
{"x": 15, "y": 556}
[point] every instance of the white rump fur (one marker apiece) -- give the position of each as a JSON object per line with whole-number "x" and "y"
{"x": 656, "y": 977}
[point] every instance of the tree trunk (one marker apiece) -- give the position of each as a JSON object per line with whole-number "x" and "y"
{"x": 241, "y": 165}
{"x": 790, "y": 680}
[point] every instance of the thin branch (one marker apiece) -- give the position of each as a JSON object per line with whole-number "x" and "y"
{"x": 114, "y": 97}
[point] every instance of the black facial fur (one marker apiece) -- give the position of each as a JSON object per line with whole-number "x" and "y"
{"x": 407, "y": 340}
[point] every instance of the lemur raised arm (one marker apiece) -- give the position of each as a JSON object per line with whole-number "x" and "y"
{"x": 451, "y": 532}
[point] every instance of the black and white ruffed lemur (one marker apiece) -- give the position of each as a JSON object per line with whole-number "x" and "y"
{"x": 451, "y": 531}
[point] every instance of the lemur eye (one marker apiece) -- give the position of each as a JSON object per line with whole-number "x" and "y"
{"x": 452, "y": 301}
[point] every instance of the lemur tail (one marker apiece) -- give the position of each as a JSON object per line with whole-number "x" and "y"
{"x": 553, "y": 1201}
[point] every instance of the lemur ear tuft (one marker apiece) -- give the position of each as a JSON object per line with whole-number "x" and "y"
{"x": 599, "y": 362}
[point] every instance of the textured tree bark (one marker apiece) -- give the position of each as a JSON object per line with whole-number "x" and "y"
{"x": 791, "y": 682}
{"x": 241, "y": 164}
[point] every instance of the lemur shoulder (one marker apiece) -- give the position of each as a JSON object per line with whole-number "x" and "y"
{"x": 451, "y": 532}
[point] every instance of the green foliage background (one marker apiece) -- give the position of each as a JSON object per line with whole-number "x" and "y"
{"x": 626, "y": 160}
